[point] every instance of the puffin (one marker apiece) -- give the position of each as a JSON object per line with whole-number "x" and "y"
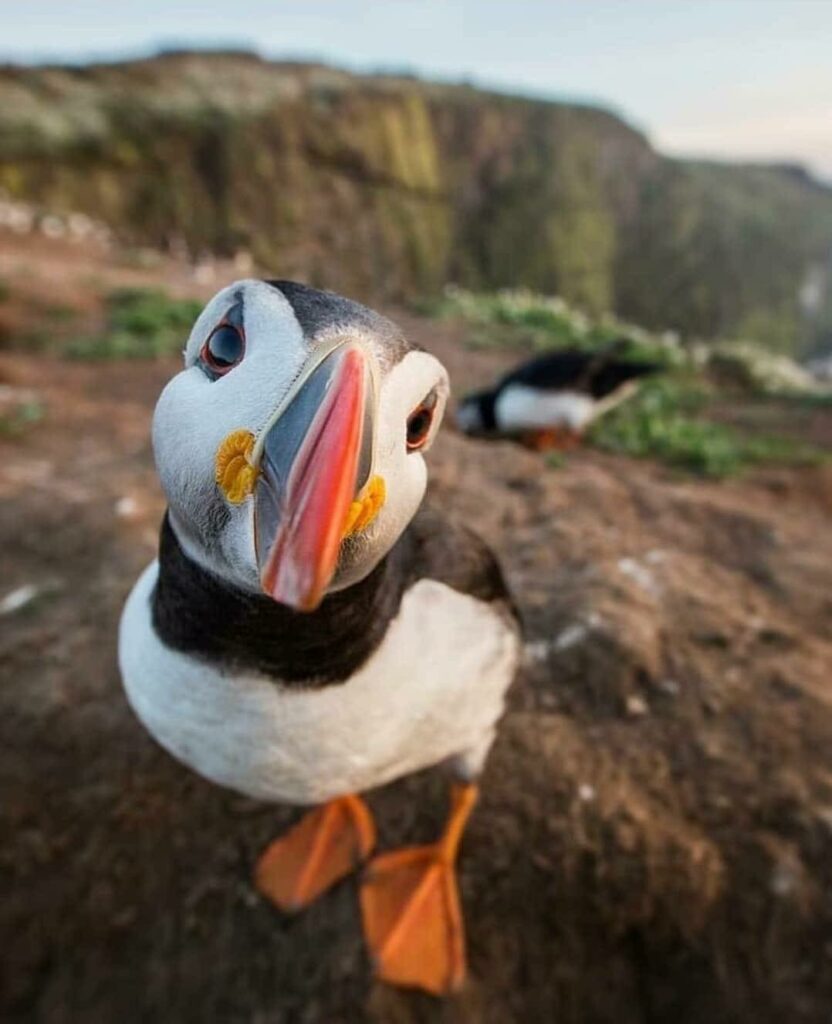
{"x": 550, "y": 401}
{"x": 312, "y": 629}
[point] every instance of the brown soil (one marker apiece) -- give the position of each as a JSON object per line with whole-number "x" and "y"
{"x": 654, "y": 841}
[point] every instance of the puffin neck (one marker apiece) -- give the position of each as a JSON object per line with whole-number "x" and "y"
{"x": 198, "y": 613}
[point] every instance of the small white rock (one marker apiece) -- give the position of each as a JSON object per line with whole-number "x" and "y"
{"x": 636, "y": 706}
{"x": 536, "y": 651}
{"x": 825, "y": 815}
{"x": 783, "y": 880}
{"x": 641, "y": 576}
{"x": 204, "y": 273}
{"x": 19, "y": 598}
{"x": 243, "y": 262}
{"x": 586, "y": 793}
{"x": 570, "y": 636}
{"x": 80, "y": 225}
{"x": 127, "y": 507}
{"x": 52, "y": 227}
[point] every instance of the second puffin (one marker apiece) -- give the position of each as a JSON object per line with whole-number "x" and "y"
{"x": 550, "y": 401}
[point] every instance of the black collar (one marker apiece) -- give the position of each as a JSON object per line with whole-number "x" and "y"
{"x": 198, "y": 613}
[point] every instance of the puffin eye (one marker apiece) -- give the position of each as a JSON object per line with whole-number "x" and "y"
{"x": 419, "y": 423}
{"x": 223, "y": 349}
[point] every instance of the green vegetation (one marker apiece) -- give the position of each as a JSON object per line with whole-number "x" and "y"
{"x": 521, "y": 319}
{"x": 661, "y": 422}
{"x": 58, "y": 313}
{"x": 142, "y": 323}
{"x": 668, "y": 418}
{"x": 759, "y": 371}
{"x": 822, "y": 400}
{"x": 20, "y": 417}
{"x": 5, "y": 291}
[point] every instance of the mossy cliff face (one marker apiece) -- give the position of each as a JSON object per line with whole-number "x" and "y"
{"x": 390, "y": 187}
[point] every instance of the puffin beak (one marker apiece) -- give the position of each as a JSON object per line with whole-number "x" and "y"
{"x": 314, "y": 459}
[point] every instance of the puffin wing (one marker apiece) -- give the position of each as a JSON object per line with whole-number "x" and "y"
{"x": 612, "y": 374}
{"x": 596, "y": 374}
{"x": 445, "y": 550}
{"x": 562, "y": 370}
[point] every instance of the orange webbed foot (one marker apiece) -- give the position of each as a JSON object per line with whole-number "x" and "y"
{"x": 556, "y": 439}
{"x": 325, "y": 845}
{"x": 411, "y": 910}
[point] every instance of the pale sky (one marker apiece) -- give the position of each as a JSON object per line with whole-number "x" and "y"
{"x": 725, "y": 78}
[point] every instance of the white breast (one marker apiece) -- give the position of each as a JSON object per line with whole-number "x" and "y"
{"x": 520, "y": 408}
{"x": 433, "y": 690}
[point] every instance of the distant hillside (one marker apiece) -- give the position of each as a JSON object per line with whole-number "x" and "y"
{"x": 388, "y": 187}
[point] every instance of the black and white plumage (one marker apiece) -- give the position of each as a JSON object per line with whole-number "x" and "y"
{"x": 560, "y": 391}
{"x": 403, "y": 658}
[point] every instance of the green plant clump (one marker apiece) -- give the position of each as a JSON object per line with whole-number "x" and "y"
{"x": 20, "y": 417}
{"x": 660, "y": 423}
{"x": 142, "y": 323}
{"x": 518, "y": 318}
{"x": 667, "y": 418}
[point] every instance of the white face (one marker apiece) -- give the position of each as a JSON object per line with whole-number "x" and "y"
{"x": 199, "y": 409}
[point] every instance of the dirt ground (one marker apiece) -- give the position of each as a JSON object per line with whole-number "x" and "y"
{"x": 654, "y": 841}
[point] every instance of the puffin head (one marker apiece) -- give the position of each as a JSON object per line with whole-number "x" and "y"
{"x": 290, "y": 447}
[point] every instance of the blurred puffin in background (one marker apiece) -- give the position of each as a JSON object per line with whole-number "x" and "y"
{"x": 308, "y": 630}
{"x": 549, "y": 402}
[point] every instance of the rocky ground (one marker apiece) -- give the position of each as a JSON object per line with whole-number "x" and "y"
{"x": 654, "y": 841}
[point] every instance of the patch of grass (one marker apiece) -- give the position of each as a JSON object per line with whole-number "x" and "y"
{"x": 59, "y": 313}
{"x": 142, "y": 323}
{"x": 21, "y": 417}
{"x": 556, "y": 460}
{"x": 666, "y": 419}
{"x": 525, "y": 320}
{"x": 36, "y": 339}
{"x": 769, "y": 449}
{"x": 5, "y": 290}
{"x": 661, "y": 422}
{"x": 820, "y": 400}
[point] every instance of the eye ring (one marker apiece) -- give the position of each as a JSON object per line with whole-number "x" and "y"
{"x": 223, "y": 349}
{"x": 419, "y": 423}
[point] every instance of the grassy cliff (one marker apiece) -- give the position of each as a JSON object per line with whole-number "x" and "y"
{"x": 388, "y": 187}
